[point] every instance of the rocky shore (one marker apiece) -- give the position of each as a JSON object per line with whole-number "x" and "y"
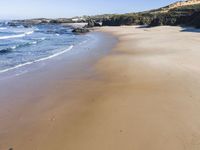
{"x": 77, "y": 27}
{"x": 178, "y": 15}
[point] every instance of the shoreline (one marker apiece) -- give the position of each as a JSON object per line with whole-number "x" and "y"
{"x": 26, "y": 67}
{"x": 144, "y": 94}
{"x": 38, "y": 60}
{"x": 48, "y": 92}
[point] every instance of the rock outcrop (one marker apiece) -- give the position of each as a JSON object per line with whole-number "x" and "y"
{"x": 92, "y": 23}
{"x": 80, "y": 30}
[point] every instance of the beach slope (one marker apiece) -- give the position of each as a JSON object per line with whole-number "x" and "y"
{"x": 143, "y": 95}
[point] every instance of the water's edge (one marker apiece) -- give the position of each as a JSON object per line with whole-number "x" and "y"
{"x": 97, "y": 47}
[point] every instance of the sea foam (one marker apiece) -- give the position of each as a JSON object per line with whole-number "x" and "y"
{"x": 16, "y": 36}
{"x": 38, "y": 60}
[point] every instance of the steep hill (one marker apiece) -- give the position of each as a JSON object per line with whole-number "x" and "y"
{"x": 179, "y": 13}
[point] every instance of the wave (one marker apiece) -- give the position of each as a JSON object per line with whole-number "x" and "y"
{"x": 43, "y": 38}
{"x": 38, "y": 60}
{"x": 6, "y": 50}
{"x": 55, "y": 32}
{"x": 16, "y": 36}
{"x": 3, "y": 28}
{"x": 9, "y": 49}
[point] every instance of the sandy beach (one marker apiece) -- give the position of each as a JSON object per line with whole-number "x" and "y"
{"x": 144, "y": 94}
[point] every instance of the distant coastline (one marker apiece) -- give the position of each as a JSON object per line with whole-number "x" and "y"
{"x": 184, "y": 13}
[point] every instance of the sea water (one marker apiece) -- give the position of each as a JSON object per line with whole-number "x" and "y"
{"x": 20, "y": 46}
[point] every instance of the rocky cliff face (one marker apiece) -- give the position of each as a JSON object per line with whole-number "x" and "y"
{"x": 185, "y": 13}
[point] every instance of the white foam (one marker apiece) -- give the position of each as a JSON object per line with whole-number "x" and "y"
{"x": 35, "y": 61}
{"x": 13, "y": 47}
{"x": 56, "y": 54}
{"x": 81, "y": 43}
{"x": 43, "y": 38}
{"x": 29, "y": 32}
{"x": 2, "y": 28}
{"x": 16, "y": 36}
{"x": 35, "y": 42}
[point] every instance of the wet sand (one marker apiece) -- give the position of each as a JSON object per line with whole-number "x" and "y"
{"x": 38, "y": 108}
{"x": 143, "y": 95}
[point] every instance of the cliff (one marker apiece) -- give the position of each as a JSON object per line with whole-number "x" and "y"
{"x": 179, "y": 13}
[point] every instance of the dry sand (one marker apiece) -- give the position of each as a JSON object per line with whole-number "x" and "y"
{"x": 143, "y": 96}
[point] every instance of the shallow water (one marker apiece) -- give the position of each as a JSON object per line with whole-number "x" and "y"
{"x": 21, "y": 46}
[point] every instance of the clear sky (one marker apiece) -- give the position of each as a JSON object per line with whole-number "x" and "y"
{"x": 19, "y": 9}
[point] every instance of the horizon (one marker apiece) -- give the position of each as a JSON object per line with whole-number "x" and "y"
{"x": 26, "y": 9}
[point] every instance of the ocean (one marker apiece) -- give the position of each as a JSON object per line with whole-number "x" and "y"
{"x": 21, "y": 46}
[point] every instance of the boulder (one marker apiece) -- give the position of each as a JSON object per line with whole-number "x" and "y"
{"x": 80, "y": 30}
{"x": 93, "y": 23}
{"x": 13, "y": 24}
{"x": 27, "y": 26}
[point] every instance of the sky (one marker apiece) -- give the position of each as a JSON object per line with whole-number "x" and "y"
{"x": 22, "y": 9}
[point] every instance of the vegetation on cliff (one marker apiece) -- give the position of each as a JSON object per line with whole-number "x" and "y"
{"x": 175, "y": 14}
{"x": 185, "y": 15}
